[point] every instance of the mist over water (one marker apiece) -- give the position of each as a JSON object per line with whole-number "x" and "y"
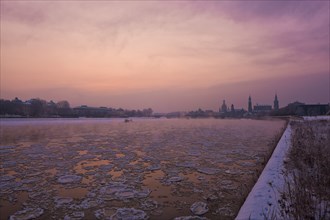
{"x": 90, "y": 168}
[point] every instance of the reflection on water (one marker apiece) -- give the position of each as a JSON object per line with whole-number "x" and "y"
{"x": 84, "y": 168}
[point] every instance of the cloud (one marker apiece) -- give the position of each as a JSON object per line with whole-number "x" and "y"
{"x": 30, "y": 13}
{"x": 265, "y": 11}
{"x": 145, "y": 48}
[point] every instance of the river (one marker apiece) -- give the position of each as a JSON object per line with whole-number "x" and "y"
{"x": 156, "y": 168}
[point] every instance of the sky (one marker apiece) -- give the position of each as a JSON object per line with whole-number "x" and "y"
{"x": 166, "y": 55}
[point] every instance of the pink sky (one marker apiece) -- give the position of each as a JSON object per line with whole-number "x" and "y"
{"x": 165, "y": 55}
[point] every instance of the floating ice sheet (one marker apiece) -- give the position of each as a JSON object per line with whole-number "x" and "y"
{"x": 173, "y": 179}
{"x": 69, "y": 179}
{"x": 149, "y": 204}
{"x": 187, "y": 164}
{"x": 26, "y": 214}
{"x": 208, "y": 170}
{"x": 5, "y": 150}
{"x": 120, "y": 191}
{"x": 190, "y": 218}
{"x": 75, "y": 216}
{"x": 60, "y": 201}
{"x": 199, "y": 208}
{"x": 129, "y": 214}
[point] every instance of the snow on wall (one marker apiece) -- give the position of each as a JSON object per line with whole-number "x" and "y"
{"x": 262, "y": 202}
{"x": 321, "y": 117}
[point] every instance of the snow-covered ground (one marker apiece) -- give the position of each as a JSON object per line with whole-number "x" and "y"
{"x": 322, "y": 117}
{"x": 262, "y": 200}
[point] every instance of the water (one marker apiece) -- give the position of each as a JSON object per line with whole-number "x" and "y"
{"x": 91, "y": 168}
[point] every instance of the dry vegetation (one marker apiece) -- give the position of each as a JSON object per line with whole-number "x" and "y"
{"x": 306, "y": 193}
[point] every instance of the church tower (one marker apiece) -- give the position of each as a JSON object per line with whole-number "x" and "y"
{"x": 250, "y": 105}
{"x": 276, "y": 106}
{"x": 224, "y": 107}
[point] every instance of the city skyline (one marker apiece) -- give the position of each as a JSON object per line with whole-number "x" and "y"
{"x": 175, "y": 56}
{"x": 251, "y": 105}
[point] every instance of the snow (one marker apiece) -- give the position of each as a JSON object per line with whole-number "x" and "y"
{"x": 262, "y": 200}
{"x": 311, "y": 118}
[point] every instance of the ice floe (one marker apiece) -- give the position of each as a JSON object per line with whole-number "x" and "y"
{"x": 129, "y": 214}
{"x": 149, "y": 204}
{"x": 26, "y": 214}
{"x": 199, "y": 208}
{"x": 225, "y": 211}
{"x": 60, "y": 201}
{"x": 4, "y": 150}
{"x": 172, "y": 180}
{"x": 191, "y": 218}
{"x": 69, "y": 179}
{"x": 89, "y": 203}
{"x": 120, "y": 191}
{"x": 154, "y": 167}
{"x": 208, "y": 170}
{"x": 9, "y": 164}
{"x": 234, "y": 172}
{"x": 5, "y": 178}
{"x": 75, "y": 216}
{"x": 187, "y": 164}
{"x": 104, "y": 213}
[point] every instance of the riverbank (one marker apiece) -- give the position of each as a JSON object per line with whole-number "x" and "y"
{"x": 280, "y": 184}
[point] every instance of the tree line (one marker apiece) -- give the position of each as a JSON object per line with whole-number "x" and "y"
{"x": 37, "y": 107}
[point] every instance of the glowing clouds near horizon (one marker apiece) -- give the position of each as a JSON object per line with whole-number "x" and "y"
{"x": 124, "y": 53}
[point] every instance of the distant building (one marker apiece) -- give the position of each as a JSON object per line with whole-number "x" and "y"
{"x": 276, "y": 105}
{"x": 250, "y": 105}
{"x": 262, "y": 108}
{"x": 86, "y": 111}
{"x": 223, "y": 108}
{"x": 176, "y": 115}
{"x": 312, "y": 110}
{"x": 302, "y": 109}
{"x": 235, "y": 113}
{"x": 232, "y": 109}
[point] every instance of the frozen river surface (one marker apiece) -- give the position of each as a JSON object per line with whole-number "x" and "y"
{"x": 147, "y": 168}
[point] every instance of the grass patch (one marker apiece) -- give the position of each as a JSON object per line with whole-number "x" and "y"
{"x": 306, "y": 193}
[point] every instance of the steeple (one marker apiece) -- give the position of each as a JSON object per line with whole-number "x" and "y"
{"x": 250, "y": 104}
{"x": 276, "y": 105}
{"x": 232, "y": 108}
{"x": 224, "y": 106}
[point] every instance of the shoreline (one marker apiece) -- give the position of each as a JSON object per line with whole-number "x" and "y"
{"x": 262, "y": 200}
